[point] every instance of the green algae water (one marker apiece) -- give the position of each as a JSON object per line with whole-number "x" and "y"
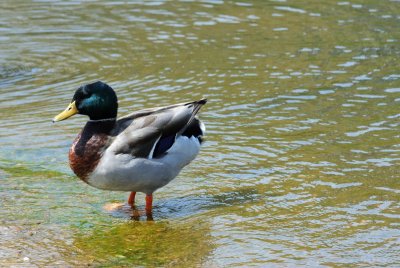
{"x": 300, "y": 167}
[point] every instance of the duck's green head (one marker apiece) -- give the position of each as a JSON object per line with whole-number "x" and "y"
{"x": 97, "y": 100}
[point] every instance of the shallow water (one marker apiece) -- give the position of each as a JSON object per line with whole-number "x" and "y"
{"x": 301, "y": 162}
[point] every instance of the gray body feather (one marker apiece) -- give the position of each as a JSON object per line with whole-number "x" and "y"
{"x": 128, "y": 164}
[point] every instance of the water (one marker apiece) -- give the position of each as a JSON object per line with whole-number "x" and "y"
{"x": 300, "y": 167}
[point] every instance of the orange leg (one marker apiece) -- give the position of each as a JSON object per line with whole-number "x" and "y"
{"x": 149, "y": 204}
{"x": 131, "y": 199}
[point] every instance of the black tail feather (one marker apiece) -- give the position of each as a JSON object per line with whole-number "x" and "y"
{"x": 193, "y": 129}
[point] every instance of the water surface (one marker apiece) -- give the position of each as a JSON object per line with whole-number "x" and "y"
{"x": 301, "y": 161}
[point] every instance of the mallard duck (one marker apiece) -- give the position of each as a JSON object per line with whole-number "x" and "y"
{"x": 139, "y": 152}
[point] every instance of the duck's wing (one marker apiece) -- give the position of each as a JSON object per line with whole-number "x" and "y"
{"x": 149, "y": 133}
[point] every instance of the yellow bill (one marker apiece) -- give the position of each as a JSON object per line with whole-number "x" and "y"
{"x": 70, "y": 111}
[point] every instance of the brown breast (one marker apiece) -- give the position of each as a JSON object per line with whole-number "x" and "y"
{"x": 85, "y": 155}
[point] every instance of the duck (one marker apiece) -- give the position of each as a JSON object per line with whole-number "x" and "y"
{"x": 139, "y": 152}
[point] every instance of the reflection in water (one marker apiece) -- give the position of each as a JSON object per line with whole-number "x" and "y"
{"x": 185, "y": 206}
{"x": 300, "y": 165}
{"x": 124, "y": 210}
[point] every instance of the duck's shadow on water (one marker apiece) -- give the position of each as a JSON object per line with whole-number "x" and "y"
{"x": 185, "y": 206}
